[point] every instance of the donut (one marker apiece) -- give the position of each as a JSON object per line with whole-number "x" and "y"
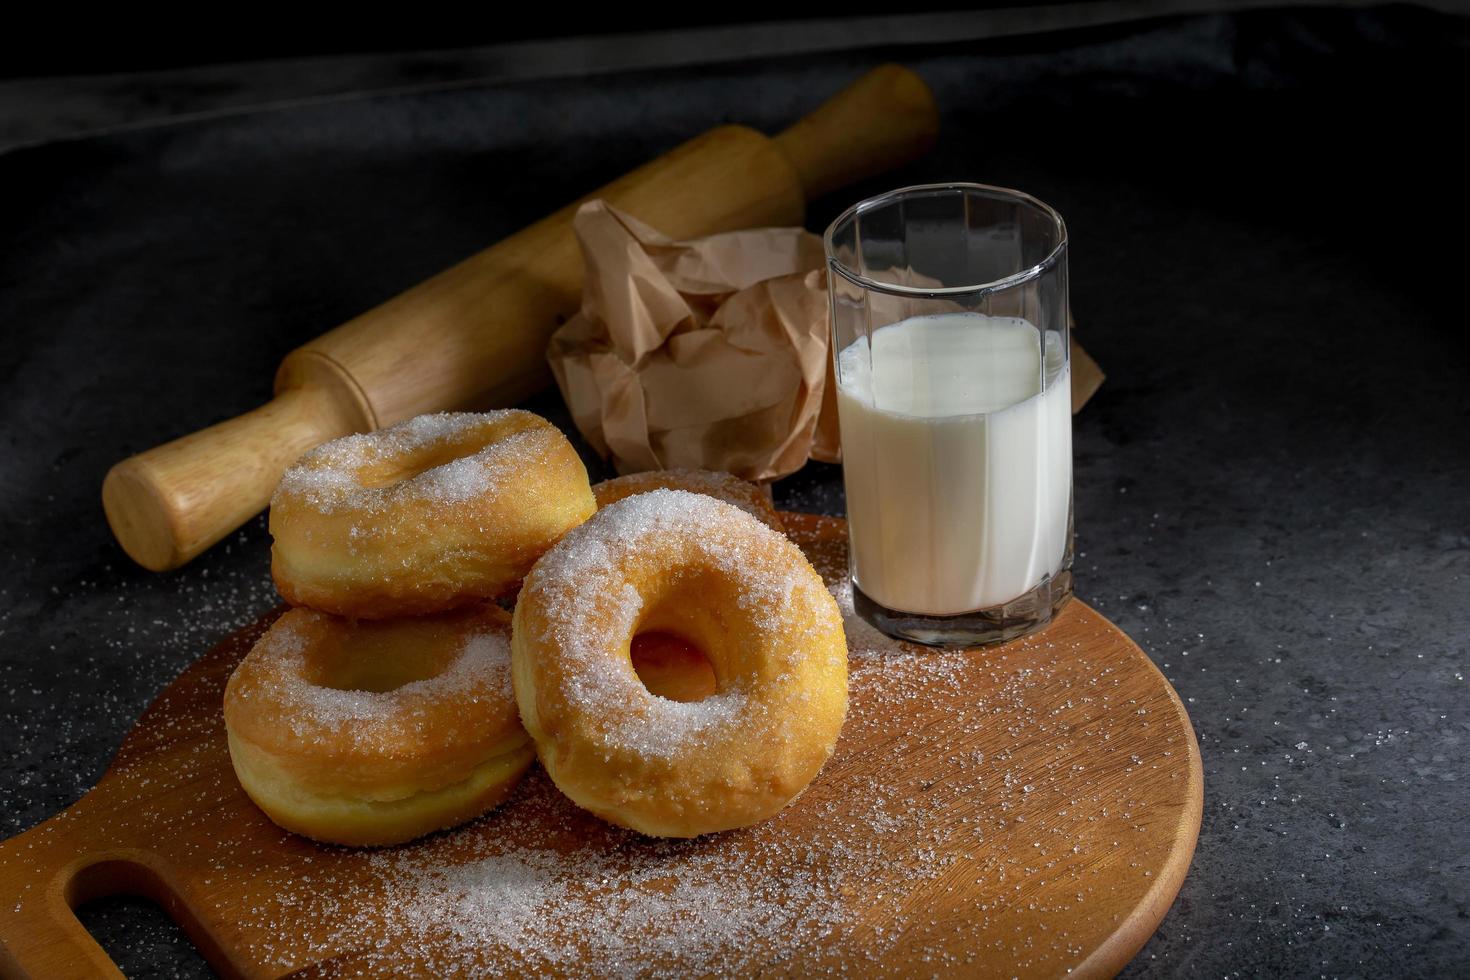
{"x": 375, "y": 733}
{"x": 723, "y": 486}
{"x": 424, "y": 515}
{"x": 697, "y": 568}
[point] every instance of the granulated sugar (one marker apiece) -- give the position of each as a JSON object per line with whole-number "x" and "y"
{"x": 332, "y": 476}
{"x": 674, "y": 909}
{"x": 864, "y": 640}
{"x": 278, "y": 693}
{"x": 483, "y": 665}
{"x": 596, "y": 901}
{"x": 722, "y": 486}
{"x": 688, "y": 528}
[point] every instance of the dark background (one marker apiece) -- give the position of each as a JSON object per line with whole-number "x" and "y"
{"x": 120, "y": 41}
{"x": 1272, "y": 488}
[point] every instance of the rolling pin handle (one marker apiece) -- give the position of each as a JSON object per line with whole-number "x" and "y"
{"x": 885, "y": 119}
{"x": 167, "y": 505}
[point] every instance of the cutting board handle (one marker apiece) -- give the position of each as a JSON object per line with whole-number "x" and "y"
{"x": 43, "y": 937}
{"x": 52, "y": 869}
{"x": 54, "y": 945}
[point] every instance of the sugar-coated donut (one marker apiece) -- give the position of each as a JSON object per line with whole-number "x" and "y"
{"x": 424, "y": 515}
{"x": 684, "y": 564}
{"x": 723, "y": 486}
{"x": 377, "y": 732}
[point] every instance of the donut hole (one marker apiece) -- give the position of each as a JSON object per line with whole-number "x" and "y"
{"x": 672, "y": 667}
{"x": 407, "y": 465}
{"x": 681, "y": 647}
{"x": 383, "y": 657}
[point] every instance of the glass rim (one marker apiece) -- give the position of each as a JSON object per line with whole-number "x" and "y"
{"x": 933, "y": 190}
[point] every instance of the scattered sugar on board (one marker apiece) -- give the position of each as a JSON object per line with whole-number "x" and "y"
{"x": 539, "y": 883}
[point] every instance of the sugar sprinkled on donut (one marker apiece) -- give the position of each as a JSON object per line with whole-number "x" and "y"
{"x": 482, "y": 668}
{"x": 376, "y": 732}
{"x": 712, "y": 483}
{"x": 330, "y": 476}
{"x": 424, "y": 515}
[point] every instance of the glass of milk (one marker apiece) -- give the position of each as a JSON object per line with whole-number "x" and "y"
{"x": 950, "y": 347}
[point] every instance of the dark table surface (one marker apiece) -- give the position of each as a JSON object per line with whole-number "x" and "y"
{"x": 1272, "y": 488}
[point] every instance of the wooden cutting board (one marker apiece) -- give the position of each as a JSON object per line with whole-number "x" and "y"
{"x": 1023, "y": 810}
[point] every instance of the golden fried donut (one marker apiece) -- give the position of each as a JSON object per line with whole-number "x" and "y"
{"x": 723, "y": 486}
{"x": 684, "y": 564}
{"x": 424, "y": 515}
{"x": 377, "y": 732}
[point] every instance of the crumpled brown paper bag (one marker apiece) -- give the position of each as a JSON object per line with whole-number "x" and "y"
{"x": 707, "y": 354}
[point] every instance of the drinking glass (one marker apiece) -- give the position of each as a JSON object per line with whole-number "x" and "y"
{"x": 951, "y": 354}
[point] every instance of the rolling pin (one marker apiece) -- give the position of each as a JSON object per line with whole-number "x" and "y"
{"x": 474, "y": 336}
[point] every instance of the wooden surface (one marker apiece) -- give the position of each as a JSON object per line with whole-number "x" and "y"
{"x": 1023, "y": 810}
{"x": 475, "y": 335}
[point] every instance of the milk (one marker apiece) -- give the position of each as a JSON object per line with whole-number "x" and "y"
{"x": 958, "y": 464}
